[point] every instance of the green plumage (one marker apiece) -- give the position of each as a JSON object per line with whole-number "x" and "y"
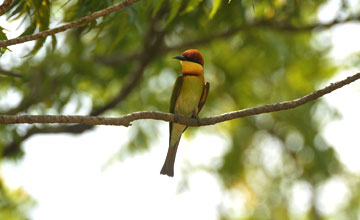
{"x": 188, "y": 96}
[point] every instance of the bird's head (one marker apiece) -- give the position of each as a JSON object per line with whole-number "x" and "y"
{"x": 192, "y": 62}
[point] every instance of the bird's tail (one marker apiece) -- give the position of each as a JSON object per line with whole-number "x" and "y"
{"x": 168, "y": 167}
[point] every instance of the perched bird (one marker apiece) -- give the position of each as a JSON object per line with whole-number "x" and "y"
{"x": 188, "y": 97}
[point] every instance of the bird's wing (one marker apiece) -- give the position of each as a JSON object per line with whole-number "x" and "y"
{"x": 174, "y": 96}
{"x": 204, "y": 96}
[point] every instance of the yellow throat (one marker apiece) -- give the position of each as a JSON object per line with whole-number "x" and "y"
{"x": 192, "y": 68}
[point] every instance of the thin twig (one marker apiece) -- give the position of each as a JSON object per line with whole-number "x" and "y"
{"x": 4, "y": 7}
{"x": 115, "y": 60}
{"x": 127, "y": 119}
{"x": 291, "y": 28}
{"x": 72, "y": 24}
{"x": 10, "y": 73}
{"x": 147, "y": 53}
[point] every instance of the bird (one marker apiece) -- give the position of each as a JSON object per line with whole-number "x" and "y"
{"x": 187, "y": 99}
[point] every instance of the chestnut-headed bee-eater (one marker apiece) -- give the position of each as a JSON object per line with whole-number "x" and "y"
{"x": 188, "y": 97}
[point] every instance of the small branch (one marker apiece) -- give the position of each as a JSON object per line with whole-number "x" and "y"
{"x": 72, "y": 24}
{"x": 63, "y": 119}
{"x": 127, "y": 119}
{"x": 4, "y": 7}
{"x": 10, "y": 73}
{"x": 146, "y": 55}
{"x": 279, "y": 26}
{"x": 287, "y": 27}
{"x": 121, "y": 58}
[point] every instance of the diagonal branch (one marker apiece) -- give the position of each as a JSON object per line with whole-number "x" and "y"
{"x": 127, "y": 119}
{"x": 319, "y": 26}
{"x": 70, "y": 25}
{"x": 118, "y": 59}
{"x": 4, "y": 7}
{"x": 10, "y": 73}
{"x": 148, "y": 52}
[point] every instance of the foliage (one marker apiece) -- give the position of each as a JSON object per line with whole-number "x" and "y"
{"x": 14, "y": 204}
{"x": 248, "y": 63}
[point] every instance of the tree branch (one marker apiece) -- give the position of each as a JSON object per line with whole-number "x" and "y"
{"x": 319, "y": 26}
{"x": 4, "y": 7}
{"x": 279, "y": 26}
{"x": 115, "y": 60}
{"x": 149, "y": 51}
{"x": 10, "y": 73}
{"x": 152, "y": 42}
{"x": 127, "y": 119}
{"x": 72, "y": 24}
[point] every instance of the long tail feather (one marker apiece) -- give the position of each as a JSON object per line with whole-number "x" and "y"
{"x": 168, "y": 167}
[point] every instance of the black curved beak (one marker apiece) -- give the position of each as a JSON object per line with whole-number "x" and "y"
{"x": 180, "y": 58}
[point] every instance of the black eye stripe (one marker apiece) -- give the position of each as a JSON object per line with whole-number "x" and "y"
{"x": 194, "y": 60}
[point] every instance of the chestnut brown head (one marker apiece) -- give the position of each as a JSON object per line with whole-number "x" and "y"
{"x": 191, "y": 55}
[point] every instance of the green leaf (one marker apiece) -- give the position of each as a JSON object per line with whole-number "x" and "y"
{"x": 175, "y": 7}
{"x": 2, "y": 34}
{"x": 89, "y": 26}
{"x": 3, "y": 37}
{"x": 53, "y": 42}
{"x": 37, "y": 47}
{"x": 157, "y": 7}
{"x": 43, "y": 15}
{"x": 29, "y": 30}
{"x": 122, "y": 30}
{"x": 191, "y": 6}
{"x": 13, "y": 4}
{"x": 18, "y": 9}
{"x": 215, "y": 8}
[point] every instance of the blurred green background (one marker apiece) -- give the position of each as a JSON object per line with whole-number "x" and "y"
{"x": 256, "y": 52}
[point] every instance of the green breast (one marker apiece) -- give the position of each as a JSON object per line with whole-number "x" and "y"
{"x": 190, "y": 95}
